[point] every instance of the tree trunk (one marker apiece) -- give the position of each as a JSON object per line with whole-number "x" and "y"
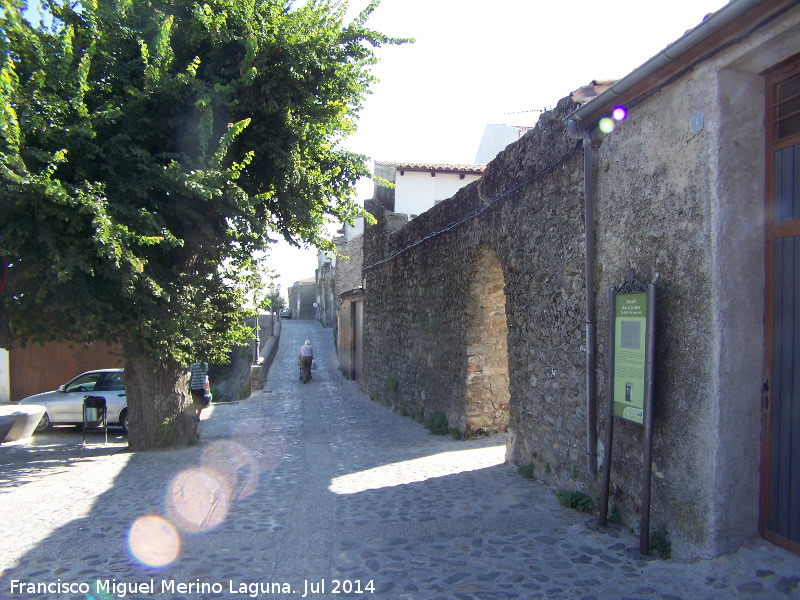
{"x": 160, "y": 408}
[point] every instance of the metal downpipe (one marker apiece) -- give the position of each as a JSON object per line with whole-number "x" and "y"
{"x": 591, "y": 323}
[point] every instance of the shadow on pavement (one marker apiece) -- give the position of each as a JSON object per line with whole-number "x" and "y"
{"x": 57, "y": 450}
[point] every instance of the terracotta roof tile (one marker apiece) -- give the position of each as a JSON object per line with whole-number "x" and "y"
{"x": 441, "y": 168}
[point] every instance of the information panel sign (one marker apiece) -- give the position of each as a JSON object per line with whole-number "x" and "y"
{"x": 631, "y": 340}
{"x": 630, "y": 329}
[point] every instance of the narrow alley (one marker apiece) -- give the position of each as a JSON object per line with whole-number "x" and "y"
{"x": 315, "y": 491}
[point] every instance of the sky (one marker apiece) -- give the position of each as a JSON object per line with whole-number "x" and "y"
{"x": 479, "y": 63}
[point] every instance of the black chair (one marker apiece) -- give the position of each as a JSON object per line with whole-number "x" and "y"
{"x": 94, "y": 415}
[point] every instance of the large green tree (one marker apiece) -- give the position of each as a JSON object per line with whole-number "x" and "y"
{"x": 149, "y": 149}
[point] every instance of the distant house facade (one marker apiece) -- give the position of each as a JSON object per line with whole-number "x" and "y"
{"x": 302, "y": 297}
{"x": 694, "y": 183}
{"x": 419, "y": 186}
{"x": 349, "y": 295}
{"x": 349, "y": 243}
{"x": 325, "y": 310}
{"x": 350, "y": 333}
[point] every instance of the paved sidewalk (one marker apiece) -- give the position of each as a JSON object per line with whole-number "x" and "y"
{"x": 314, "y": 489}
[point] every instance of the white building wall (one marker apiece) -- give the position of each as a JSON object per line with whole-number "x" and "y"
{"x": 447, "y": 184}
{"x": 417, "y": 191}
{"x": 495, "y": 139}
{"x": 354, "y": 230}
{"x": 5, "y": 378}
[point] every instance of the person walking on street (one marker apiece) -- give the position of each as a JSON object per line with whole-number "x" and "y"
{"x": 197, "y": 384}
{"x": 306, "y": 357}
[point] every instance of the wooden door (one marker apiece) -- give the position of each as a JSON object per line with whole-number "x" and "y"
{"x": 352, "y": 357}
{"x": 780, "y": 486}
{"x": 358, "y": 341}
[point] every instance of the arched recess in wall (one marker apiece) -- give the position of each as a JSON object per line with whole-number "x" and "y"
{"x": 487, "y": 396}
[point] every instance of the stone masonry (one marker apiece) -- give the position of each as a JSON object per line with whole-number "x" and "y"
{"x": 486, "y": 402}
{"x": 348, "y": 266}
{"x": 684, "y": 208}
{"x": 489, "y": 315}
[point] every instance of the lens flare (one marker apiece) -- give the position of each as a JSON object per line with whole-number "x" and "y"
{"x": 198, "y": 500}
{"x": 620, "y": 113}
{"x": 606, "y": 125}
{"x": 234, "y": 465}
{"x": 153, "y": 541}
{"x": 266, "y": 442}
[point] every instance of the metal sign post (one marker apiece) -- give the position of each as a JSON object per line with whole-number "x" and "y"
{"x": 631, "y": 337}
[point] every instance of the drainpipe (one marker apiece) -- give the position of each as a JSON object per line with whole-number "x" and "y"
{"x": 591, "y": 324}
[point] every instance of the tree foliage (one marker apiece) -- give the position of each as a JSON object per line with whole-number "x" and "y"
{"x": 150, "y": 147}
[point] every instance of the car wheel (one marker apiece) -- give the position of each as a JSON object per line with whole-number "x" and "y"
{"x": 44, "y": 423}
{"x": 123, "y": 420}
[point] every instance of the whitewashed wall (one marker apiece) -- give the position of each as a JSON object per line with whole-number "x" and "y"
{"x": 417, "y": 191}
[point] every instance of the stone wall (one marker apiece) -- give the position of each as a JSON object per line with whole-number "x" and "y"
{"x": 325, "y": 311}
{"x": 688, "y": 210}
{"x": 490, "y": 314}
{"x": 302, "y": 296}
{"x": 348, "y": 270}
{"x": 652, "y": 217}
{"x": 666, "y": 207}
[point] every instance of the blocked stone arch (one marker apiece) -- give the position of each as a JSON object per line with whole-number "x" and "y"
{"x": 486, "y": 398}
{"x": 502, "y": 243}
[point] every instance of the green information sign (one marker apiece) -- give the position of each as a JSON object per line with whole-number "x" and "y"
{"x": 630, "y": 329}
{"x": 631, "y": 340}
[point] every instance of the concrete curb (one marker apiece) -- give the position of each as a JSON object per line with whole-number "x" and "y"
{"x": 270, "y": 349}
{"x": 267, "y": 352}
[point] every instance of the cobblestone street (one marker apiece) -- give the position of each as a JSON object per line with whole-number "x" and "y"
{"x": 315, "y": 491}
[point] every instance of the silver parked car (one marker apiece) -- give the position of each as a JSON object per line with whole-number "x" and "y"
{"x": 65, "y": 405}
